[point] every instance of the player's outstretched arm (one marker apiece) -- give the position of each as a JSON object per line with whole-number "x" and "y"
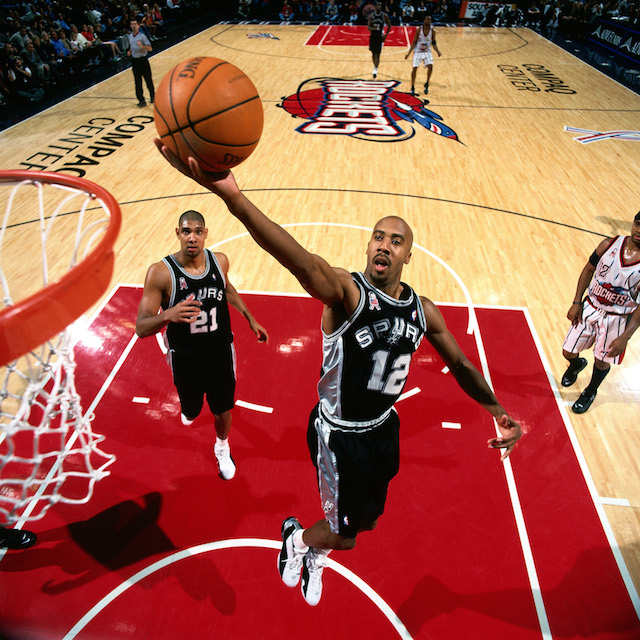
{"x": 313, "y": 272}
{"x": 470, "y": 379}
{"x": 237, "y": 302}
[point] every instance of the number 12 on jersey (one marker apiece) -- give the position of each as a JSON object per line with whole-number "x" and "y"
{"x": 394, "y": 381}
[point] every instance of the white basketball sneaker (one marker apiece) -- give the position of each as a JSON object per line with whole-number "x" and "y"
{"x": 226, "y": 466}
{"x": 312, "y": 568}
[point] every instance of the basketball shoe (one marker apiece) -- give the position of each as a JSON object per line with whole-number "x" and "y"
{"x": 312, "y": 568}
{"x": 574, "y": 368}
{"x": 290, "y": 558}
{"x": 226, "y": 465}
{"x": 16, "y": 539}
{"x": 582, "y": 404}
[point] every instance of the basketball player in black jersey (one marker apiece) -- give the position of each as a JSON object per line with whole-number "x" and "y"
{"x": 377, "y": 35}
{"x": 193, "y": 290}
{"x": 371, "y": 324}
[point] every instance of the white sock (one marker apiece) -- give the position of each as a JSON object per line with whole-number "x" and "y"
{"x": 222, "y": 443}
{"x": 298, "y": 543}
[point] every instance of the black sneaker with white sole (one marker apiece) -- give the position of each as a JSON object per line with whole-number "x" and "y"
{"x": 289, "y": 558}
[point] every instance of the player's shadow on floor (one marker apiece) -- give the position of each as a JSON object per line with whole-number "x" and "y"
{"x": 432, "y": 598}
{"x": 136, "y": 532}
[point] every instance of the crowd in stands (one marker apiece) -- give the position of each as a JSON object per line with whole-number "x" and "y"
{"x": 574, "y": 17}
{"x": 48, "y": 42}
{"x": 343, "y": 12}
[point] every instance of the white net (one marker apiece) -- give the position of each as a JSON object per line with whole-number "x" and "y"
{"x": 48, "y": 451}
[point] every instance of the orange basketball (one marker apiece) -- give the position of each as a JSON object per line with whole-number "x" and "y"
{"x": 208, "y": 109}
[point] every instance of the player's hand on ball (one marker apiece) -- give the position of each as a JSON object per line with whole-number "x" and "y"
{"x": 221, "y": 183}
{"x": 511, "y": 433}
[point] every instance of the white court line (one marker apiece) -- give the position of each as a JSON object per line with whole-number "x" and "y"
{"x": 313, "y": 33}
{"x": 359, "y": 583}
{"x": 324, "y": 37}
{"x": 616, "y": 502}
{"x": 408, "y": 394}
{"x": 406, "y": 36}
{"x": 254, "y": 407}
{"x": 606, "y": 525}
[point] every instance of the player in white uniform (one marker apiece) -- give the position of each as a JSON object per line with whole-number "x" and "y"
{"x": 424, "y": 39}
{"x": 608, "y": 316}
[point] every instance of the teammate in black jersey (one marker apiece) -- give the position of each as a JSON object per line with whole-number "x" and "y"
{"x": 355, "y": 449}
{"x": 192, "y": 289}
{"x": 376, "y": 24}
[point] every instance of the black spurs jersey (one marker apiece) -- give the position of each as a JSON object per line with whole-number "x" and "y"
{"x": 366, "y": 361}
{"x": 212, "y": 328}
{"x": 377, "y": 23}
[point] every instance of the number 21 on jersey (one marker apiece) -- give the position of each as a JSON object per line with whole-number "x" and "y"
{"x": 206, "y": 322}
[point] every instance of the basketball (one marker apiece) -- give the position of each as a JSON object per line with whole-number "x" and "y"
{"x": 208, "y": 109}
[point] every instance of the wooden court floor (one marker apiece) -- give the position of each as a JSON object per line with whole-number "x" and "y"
{"x": 509, "y": 208}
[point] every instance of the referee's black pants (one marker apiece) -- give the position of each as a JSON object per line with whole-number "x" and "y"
{"x": 142, "y": 69}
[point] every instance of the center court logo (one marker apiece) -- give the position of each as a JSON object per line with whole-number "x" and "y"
{"x": 362, "y": 109}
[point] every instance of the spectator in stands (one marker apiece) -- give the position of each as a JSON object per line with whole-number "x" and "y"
{"x": 286, "y": 12}
{"x": 17, "y": 39}
{"x": 33, "y": 61}
{"x": 62, "y": 47}
{"x": 331, "y": 12}
{"x": 110, "y": 32}
{"x": 408, "y": 12}
{"x": 421, "y": 12}
{"x": 244, "y": 9}
{"x": 392, "y": 9}
{"x": 61, "y": 23}
{"x": 22, "y": 83}
{"x": 315, "y": 12}
{"x": 4, "y": 89}
{"x": 92, "y": 15}
{"x": 158, "y": 22}
{"x": 533, "y": 16}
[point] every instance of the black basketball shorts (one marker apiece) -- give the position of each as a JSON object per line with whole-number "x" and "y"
{"x": 375, "y": 42}
{"x": 354, "y": 470}
{"x": 198, "y": 375}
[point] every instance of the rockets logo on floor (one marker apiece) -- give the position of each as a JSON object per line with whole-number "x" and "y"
{"x": 362, "y": 109}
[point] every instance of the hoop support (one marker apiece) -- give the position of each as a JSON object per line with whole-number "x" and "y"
{"x": 34, "y": 320}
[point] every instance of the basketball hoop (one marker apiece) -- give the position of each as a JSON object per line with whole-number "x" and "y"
{"x": 62, "y": 229}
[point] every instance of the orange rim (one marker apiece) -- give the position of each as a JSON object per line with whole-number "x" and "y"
{"x": 34, "y": 320}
